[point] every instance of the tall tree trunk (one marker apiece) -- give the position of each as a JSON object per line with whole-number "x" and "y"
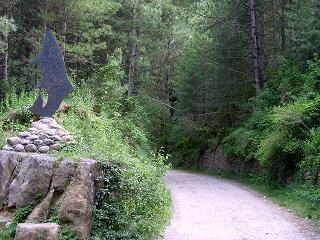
{"x": 133, "y": 52}
{"x": 132, "y": 69}
{"x": 258, "y": 58}
{"x": 64, "y": 27}
{"x": 5, "y": 61}
{"x": 5, "y": 55}
{"x": 45, "y": 10}
{"x": 167, "y": 73}
{"x": 283, "y": 32}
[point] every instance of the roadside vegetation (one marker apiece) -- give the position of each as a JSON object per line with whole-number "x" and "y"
{"x": 282, "y": 134}
{"x": 134, "y": 203}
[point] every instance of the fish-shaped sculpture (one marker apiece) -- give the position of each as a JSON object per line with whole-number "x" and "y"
{"x": 54, "y": 77}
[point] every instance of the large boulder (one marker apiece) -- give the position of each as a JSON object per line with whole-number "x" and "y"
{"x": 77, "y": 202}
{"x": 60, "y": 181}
{"x": 33, "y": 181}
{"x": 41, "y": 212}
{"x": 8, "y": 164}
{"x": 44, "y": 231}
{"x": 63, "y": 175}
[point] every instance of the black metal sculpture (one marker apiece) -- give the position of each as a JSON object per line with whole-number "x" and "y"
{"x": 54, "y": 77}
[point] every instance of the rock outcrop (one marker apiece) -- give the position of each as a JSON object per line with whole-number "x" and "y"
{"x": 44, "y": 135}
{"x": 32, "y": 182}
{"x": 75, "y": 205}
{"x": 216, "y": 160}
{"x": 8, "y": 164}
{"x": 58, "y": 188}
{"x": 41, "y": 212}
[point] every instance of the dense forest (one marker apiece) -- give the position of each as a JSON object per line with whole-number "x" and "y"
{"x": 177, "y": 77}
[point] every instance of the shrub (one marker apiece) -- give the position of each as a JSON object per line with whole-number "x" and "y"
{"x": 187, "y": 142}
{"x": 281, "y": 133}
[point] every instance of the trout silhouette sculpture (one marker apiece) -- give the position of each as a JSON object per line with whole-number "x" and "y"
{"x": 54, "y": 77}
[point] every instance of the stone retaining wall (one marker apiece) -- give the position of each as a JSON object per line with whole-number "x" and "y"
{"x": 216, "y": 160}
{"x": 70, "y": 187}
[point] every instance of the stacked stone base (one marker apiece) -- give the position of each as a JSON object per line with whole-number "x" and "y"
{"x": 43, "y": 136}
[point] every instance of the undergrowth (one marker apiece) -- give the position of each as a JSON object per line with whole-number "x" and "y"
{"x": 20, "y": 215}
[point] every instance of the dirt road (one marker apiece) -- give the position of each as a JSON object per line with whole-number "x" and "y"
{"x": 207, "y": 208}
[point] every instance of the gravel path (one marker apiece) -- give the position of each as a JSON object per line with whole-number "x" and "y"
{"x": 207, "y": 208}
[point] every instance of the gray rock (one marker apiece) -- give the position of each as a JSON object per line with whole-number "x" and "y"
{"x": 12, "y": 141}
{"x": 33, "y": 137}
{"x": 51, "y": 132}
{"x": 33, "y": 130}
{"x": 6, "y": 218}
{"x": 62, "y": 133}
{"x": 32, "y": 182}
{"x": 66, "y": 138}
{"x": 19, "y": 148}
{"x": 48, "y": 142}
{"x": 8, "y": 147}
{"x": 43, "y": 149}
{"x": 55, "y": 146}
{"x": 8, "y": 164}
{"x": 46, "y": 123}
{"x": 55, "y": 138}
{"x": 24, "y": 141}
{"x": 63, "y": 175}
{"x": 76, "y": 203}
{"x": 41, "y": 212}
{"x": 44, "y": 136}
{"x": 24, "y": 134}
{"x": 38, "y": 142}
{"x": 42, "y": 231}
{"x": 31, "y": 148}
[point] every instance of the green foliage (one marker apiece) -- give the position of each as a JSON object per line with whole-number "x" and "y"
{"x": 67, "y": 234}
{"x": 108, "y": 90}
{"x": 112, "y": 214}
{"x": 186, "y": 142}
{"x": 14, "y": 114}
{"x": 6, "y": 27}
{"x": 20, "y": 215}
{"x": 310, "y": 166}
{"x": 282, "y": 131}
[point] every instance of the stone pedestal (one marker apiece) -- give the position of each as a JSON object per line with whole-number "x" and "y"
{"x": 44, "y": 136}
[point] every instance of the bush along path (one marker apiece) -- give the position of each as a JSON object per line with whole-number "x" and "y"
{"x": 207, "y": 208}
